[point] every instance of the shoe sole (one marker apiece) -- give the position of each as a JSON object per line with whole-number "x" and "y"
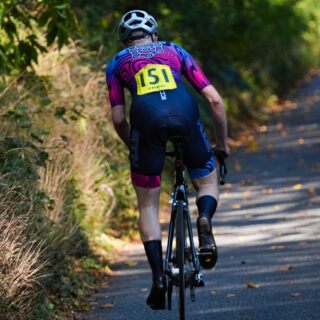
{"x": 208, "y": 260}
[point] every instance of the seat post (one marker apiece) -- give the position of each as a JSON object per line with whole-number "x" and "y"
{"x": 179, "y": 166}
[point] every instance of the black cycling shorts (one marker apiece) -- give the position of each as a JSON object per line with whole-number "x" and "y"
{"x": 154, "y": 118}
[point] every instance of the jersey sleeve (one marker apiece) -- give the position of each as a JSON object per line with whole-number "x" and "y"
{"x": 191, "y": 70}
{"x": 115, "y": 87}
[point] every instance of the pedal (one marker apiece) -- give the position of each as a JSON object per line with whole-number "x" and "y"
{"x": 198, "y": 280}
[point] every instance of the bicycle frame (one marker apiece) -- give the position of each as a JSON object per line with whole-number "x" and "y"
{"x": 192, "y": 277}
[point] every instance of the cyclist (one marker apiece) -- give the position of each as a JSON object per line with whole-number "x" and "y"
{"x": 162, "y": 107}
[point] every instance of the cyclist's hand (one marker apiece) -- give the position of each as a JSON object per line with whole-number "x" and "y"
{"x": 223, "y": 149}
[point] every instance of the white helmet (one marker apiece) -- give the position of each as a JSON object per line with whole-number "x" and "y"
{"x": 136, "y": 19}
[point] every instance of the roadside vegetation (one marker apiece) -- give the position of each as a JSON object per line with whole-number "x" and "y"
{"x": 65, "y": 191}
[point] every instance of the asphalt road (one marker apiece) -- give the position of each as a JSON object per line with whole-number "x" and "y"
{"x": 267, "y": 231}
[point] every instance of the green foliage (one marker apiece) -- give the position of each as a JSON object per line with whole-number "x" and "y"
{"x": 20, "y": 22}
{"x": 250, "y": 50}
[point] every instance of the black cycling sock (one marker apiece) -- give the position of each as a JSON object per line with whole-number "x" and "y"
{"x": 207, "y": 206}
{"x": 153, "y": 250}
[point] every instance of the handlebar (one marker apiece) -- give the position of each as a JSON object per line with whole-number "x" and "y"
{"x": 220, "y": 155}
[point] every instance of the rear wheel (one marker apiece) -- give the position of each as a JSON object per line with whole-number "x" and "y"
{"x": 180, "y": 247}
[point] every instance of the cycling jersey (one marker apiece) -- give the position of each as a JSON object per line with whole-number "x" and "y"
{"x": 161, "y": 107}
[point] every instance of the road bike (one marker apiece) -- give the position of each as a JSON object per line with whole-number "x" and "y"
{"x": 182, "y": 267}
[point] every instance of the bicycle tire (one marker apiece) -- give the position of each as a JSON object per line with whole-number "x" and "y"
{"x": 180, "y": 247}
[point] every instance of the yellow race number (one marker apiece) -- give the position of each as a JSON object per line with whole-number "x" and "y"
{"x": 154, "y": 77}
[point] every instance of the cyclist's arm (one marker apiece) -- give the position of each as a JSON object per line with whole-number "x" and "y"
{"x": 120, "y": 123}
{"x": 219, "y": 117}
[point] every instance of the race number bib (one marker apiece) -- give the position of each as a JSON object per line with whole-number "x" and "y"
{"x": 154, "y": 77}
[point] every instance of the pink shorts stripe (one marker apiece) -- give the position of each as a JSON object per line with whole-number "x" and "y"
{"x": 148, "y": 182}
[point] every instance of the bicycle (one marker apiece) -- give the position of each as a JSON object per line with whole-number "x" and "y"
{"x": 182, "y": 267}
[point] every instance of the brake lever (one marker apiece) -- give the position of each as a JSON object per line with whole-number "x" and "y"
{"x": 223, "y": 169}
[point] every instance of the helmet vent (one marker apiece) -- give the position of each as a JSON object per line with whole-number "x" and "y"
{"x": 136, "y": 19}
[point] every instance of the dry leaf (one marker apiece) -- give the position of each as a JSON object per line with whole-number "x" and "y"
{"x": 230, "y": 295}
{"x": 303, "y": 243}
{"x": 144, "y": 289}
{"x": 164, "y": 233}
{"x": 301, "y": 141}
{"x": 312, "y": 191}
{"x": 85, "y": 307}
{"x": 277, "y": 247}
{"x": 248, "y": 216}
{"x": 266, "y": 191}
{"x": 247, "y": 192}
{"x": 276, "y": 207}
{"x": 131, "y": 263}
{"x": 288, "y": 281}
{"x": 213, "y": 292}
{"x": 252, "y": 285}
{"x": 237, "y": 167}
{"x": 236, "y": 206}
{"x": 297, "y": 186}
{"x": 297, "y": 294}
{"x": 285, "y": 268}
{"x": 107, "y": 306}
{"x": 262, "y": 129}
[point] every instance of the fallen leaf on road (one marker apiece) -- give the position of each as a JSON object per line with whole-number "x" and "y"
{"x": 230, "y": 295}
{"x": 236, "y": 206}
{"x": 262, "y": 129}
{"x": 303, "y": 243}
{"x": 85, "y": 307}
{"x": 266, "y": 191}
{"x": 277, "y": 247}
{"x": 312, "y": 191}
{"x": 288, "y": 281}
{"x": 107, "y": 306}
{"x": 301, "y": 141}
{"x": 285, "y": 268}
{"x": 251, "y": 285}
{"x": 214, "y": 231}
{"x": 297, "y": 294}
{"x": 213, "y": 292}
{"x": 237, "y": 167}
{"x": 144, "y": 289}
{"x": 247, "y": 192}
{"x": 276, "y": 207}
{"x": 297, "y": 186}
{"x": 248, "y": 216}
{"x": 131, "y": 263}
{"x": 164, "y": 233}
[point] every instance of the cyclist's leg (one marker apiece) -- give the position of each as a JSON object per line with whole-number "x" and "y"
{"x": 202, "y": 171}
{"x": 146, "y": 166}
{"x": 148, "y": 204}
{"x": 207, "y": 185}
